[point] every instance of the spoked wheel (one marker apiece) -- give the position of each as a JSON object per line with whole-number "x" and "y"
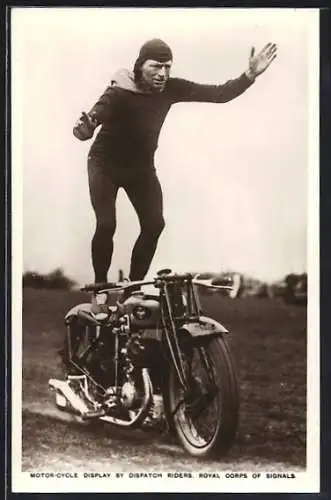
{"x": 205, "y": 418}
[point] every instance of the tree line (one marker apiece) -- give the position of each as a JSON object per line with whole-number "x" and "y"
{"x": 54, "y": 280}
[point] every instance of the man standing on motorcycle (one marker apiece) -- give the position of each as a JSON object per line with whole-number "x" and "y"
{"x": 131, "y": 113}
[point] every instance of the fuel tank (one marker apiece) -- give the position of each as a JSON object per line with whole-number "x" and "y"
{"x": 143, "y": 310}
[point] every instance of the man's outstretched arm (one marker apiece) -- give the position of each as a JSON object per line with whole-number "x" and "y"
{"x": 186, "y": 91}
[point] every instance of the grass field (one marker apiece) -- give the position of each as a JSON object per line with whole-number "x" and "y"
{"x": 268, "y": 342}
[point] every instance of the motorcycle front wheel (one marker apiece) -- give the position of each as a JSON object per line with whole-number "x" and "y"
{"x": 205, "y": 419}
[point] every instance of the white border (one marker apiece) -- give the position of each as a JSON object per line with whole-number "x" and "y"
{"x": 305, "y": 481}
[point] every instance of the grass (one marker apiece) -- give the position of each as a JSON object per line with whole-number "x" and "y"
{"x": 268, "y": 341}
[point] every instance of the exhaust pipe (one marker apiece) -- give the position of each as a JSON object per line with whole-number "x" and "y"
{"x": 65, "y": 393}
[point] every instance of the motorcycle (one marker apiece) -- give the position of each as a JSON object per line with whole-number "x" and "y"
{"x": 153, "y": 357}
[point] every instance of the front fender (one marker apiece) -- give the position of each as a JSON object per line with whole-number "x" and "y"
{"x": 204, "y": 327}
{"x": 83, "y": 311}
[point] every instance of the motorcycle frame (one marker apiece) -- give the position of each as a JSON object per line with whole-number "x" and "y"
{"x": 191, "y": 322}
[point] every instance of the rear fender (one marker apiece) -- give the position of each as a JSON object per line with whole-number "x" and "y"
{"x": 204, "y": 327}
{"x": 83, "y": 311}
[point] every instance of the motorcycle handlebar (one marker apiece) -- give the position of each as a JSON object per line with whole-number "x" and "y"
{"x": 208, "y": 284}
{"x": 117, "y": 286}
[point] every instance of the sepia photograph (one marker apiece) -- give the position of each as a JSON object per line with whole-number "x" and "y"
{"x": 165, "y": 295}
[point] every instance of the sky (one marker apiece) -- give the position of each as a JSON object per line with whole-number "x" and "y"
{"x": 234, "y": 176}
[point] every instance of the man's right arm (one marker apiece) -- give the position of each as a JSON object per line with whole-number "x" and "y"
{"x": 187, "y": 91}
{"x": 100, "y": 112}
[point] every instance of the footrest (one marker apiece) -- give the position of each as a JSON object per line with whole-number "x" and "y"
{"x": 91, "y": 415}
{"x": 63, "y": 387}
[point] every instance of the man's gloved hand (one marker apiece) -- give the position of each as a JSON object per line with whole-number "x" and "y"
{"x": 260, "y": 62}
{"x": 84, "y": 127}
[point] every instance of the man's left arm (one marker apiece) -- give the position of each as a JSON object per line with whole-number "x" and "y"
{"x": 186, "y": 91}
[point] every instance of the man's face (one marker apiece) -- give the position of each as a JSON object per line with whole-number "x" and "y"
{"x": 155, "y": 74}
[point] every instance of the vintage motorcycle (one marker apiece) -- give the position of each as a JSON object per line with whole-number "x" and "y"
{"x": 152, "y": 358}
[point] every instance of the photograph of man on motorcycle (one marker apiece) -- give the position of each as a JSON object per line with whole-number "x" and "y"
{"x": 114, "y": 369}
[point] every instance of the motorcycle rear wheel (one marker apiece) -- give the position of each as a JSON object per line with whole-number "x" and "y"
{"x": 197, "y": 435}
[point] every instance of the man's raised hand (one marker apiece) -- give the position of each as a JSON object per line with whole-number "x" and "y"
{"x": 87, "y": 120}
{"x": 260, "y": 62}
{"x": 84, "y": 127}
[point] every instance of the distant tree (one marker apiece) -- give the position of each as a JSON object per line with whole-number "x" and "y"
{"x": 33, "y": 279}
{"x": 54, "y": 280}
{"x": 292, "y": 289}
{"x": 296, "y": 288}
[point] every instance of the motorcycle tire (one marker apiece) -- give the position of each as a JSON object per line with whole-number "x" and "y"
{"x": 226, "y": 395}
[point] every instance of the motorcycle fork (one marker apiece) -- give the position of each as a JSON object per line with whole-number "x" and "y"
{"x": 211, "y": 384}
{"x": 185, "y": 376}
{"x": 170, "y": 331}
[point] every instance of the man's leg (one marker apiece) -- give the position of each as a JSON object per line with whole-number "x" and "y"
{"x": 145, "y": 195}
{"x": 103, "y": 193}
